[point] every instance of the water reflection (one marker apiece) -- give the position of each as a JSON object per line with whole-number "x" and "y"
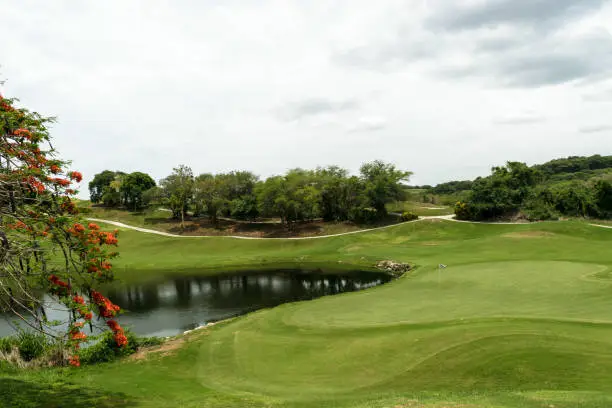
{"x": 182, "y": 303}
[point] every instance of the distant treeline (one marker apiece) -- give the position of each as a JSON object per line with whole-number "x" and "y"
{"x": 574, "y": 186}
{"x": 298, "y": 195}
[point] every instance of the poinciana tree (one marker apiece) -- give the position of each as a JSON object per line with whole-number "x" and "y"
{"x": 45, "y": 248}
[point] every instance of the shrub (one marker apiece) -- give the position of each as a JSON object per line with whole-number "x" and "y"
{"x": 31, "y": 345}
{"x": 409, "y": 216}
{"x": 364, "y": 215}
{"x": 541, "y": 213}
{"x": 106, "y": 348}
{"x": 7, "y": 344}
{"x": 463, "y": 211}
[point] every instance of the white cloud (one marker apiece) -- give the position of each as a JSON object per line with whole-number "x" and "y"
{"x": 369, "y": 124}
{"x": 273, "y": 84}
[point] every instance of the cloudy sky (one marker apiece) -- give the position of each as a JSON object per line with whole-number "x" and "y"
{"x": 443, "y": 88}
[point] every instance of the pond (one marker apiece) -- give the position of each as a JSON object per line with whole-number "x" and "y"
{"x": 183, "y": 303}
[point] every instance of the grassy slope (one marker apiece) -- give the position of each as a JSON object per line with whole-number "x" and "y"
{"x": 419, "y": 208}
{"x": 520, "y": 318}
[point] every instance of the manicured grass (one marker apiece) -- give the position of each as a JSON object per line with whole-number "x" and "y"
{"x": 521, "y": 317}
{"x": 420, "y": 209}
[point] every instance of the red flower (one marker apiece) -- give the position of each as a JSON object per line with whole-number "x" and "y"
{"x": 114, "y": 326}
{"x": 93, "y": 226}
{"x": 78, "y": 299}
{"x": 35, "y": 184}
{"x": 23, "y": 132}
{"x": 120, "y": 339}
{"x": 75, "y": 361}
{"x": 75, "y": 175}
{"x": 80, "y": 336}
{"x": 79, "y": 227}
{"x": 108, "y": 238}
{"x": 56, "y": 281}
{"x": 55, "y": 169}
{"x": 60, "y": 181}
{"x": 106, "y": 308}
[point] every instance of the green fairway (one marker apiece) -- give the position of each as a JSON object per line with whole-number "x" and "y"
{"x": 521, "y": 317}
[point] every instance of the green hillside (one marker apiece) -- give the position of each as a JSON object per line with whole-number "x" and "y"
{"x": 521, "y": 317}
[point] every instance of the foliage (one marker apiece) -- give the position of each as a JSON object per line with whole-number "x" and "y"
{"x": 208, "y": 195}
{"x": 43, "y": 246}
{"x": 452, "y": 187}
{"x": 499, "y": 195}
{"x": 574, "y": 164}
{"x": 31, "y": 345}
{"x": 576, "y": 186}
{"x": 178, "y": 190}
{"x": 101, "y": 185}
{"x": 298, "y": 195}
{"x": 153, "y": 196}
{"x": 7, "y": 344}
{"x": 106, "y": 348}
{"x": 132, "y": 188}
{"x": 603, "y": 195}
{"x": 409, "y": 216}
{"x": 382, "y": 184}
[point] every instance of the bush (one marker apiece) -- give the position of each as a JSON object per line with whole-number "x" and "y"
{"x": 31, "y": 345}
{"x": 463, "y": 211}
{"x": 7, "y": 344}
{"x": 409, "y": 216}
{"x": 539, "y": 207}
{"x": 364, "y": 215}
{"x": 106, "y": 348}
{"x": 482, "y": 211}
{"x": 541, "y": 213}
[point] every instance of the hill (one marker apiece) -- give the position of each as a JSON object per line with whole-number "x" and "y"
{"x": 520, "y": 318}
{"x": 570, "y": 187}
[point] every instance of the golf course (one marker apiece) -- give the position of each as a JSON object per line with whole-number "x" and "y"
{"x": 520, "y": 317}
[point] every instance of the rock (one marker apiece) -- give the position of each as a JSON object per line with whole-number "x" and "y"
{"x": 394, "y": 267}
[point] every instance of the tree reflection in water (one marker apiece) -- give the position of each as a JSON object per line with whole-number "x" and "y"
{"x": 182, "y": 303}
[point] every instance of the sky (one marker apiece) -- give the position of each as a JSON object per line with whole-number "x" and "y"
{"x": 445, "y": 89}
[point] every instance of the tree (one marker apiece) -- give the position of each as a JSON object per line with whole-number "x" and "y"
{"x": 153, "y": 196}
{"x": 293, "y": 197}
{"x": 99, "y": 183}
{"x": 112, "y": 192}
{"x": 39, "y": 227}
{"x": 178, "y": 188}
{"x": 382, "y": 183}
{"x": 503, "y": 193}
{"x": 105, "y": 188}
{"x": 208, "y": 195}
{"x": 132, "y": 187}
{"x": 236, "y": 190}
{"x": 603, "y": 193}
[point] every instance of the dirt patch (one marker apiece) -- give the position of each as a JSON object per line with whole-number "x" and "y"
{"x": 430, "y": 243}
{"x": 528, "y": 234}
{"x": 166, "y": 349}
